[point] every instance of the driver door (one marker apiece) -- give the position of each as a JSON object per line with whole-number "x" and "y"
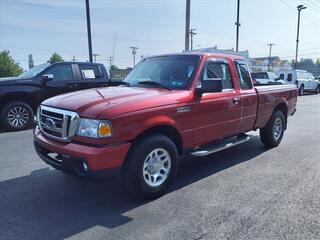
{"x": 217, "y": 115}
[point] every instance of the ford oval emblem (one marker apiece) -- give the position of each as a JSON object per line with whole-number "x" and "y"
{"x": 50, "y": 123}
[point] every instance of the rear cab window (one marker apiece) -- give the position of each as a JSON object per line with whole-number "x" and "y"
{"x": 90, "y": 72}
{"x": 243, "y": 75}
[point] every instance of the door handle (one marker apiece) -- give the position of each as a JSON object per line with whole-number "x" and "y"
{"x": 236, "y": 100}
{"x": 73, "y": 85}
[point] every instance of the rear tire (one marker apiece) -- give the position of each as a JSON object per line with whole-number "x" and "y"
{"x": 271, "y": 135}
{"x": 17, "y": 116}
{"x": 150, "y": 167}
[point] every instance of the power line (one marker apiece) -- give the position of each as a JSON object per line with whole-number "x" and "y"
{"x": 293, "y": 9}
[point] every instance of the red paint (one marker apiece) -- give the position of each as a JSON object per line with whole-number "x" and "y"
{"x": 134, "y": 110}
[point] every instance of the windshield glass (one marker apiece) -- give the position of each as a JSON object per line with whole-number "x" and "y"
{"x": 34, "y": 71}
{"x": 174, "y": 72}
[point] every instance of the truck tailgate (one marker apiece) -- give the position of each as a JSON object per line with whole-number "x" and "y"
{"x": 270, "y": 96}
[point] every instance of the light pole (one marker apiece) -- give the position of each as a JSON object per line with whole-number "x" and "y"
{"x": 89, "y": 30}
{"x": 270, "y": 48}
{"x": 134, "y": 51}
{"x": 238, "y": 25}
{"x": 187, "y": 30}
{"x": 299, "y": 7}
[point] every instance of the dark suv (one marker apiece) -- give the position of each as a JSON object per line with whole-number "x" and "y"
{"x": 20, "y": 96}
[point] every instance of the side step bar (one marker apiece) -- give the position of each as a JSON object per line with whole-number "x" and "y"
{"x": 228, "y": 143}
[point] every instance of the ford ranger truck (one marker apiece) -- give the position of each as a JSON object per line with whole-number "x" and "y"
{"x": 169, "y": 105}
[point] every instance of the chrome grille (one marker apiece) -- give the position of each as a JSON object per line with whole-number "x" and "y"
{"x": 57, "y": 123}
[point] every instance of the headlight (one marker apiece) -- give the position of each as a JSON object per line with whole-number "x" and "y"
{"x": 94, "y": 128}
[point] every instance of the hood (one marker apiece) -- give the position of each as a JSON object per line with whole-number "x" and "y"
{"x": 6, "y": 81}
{"x": 111, "y": 101}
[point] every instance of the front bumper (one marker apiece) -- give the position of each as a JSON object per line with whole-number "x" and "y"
{"x": 99, "y": 161}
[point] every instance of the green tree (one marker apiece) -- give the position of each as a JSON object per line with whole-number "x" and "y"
{"x": 55, "y": 57}
{"x": 113, "y": 67}
{"x": 8, "y": 67}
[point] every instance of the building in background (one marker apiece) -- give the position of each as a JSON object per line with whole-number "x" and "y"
{"x": 262, "y": 63}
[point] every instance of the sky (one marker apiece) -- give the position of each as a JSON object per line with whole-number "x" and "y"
{"x": 41, "y": 27}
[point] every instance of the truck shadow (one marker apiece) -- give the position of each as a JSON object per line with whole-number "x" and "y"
{"x": 52, "y": 204}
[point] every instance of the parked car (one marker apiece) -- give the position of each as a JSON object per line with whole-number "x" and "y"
{"x": 169, "y": 105}
{"x": 301, "y": 78}
{"x": 264, "y": 77}
{"x": 20, "y": 96}
{"x": 314, "y": 83}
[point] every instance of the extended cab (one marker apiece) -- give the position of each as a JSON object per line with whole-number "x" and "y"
{"x": 169, "y": 105}
{"x": 20, "y": 96}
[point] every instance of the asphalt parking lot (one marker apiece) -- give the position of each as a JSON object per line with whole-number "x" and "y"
{"x": 248, "y": 192}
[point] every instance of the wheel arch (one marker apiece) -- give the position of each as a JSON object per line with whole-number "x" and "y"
{"x": 21, "y": 97}
{"x": 167, "y": 130}
{"x": 283, "y": 107}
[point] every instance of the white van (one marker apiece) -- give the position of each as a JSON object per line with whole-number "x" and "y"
{"x": 304, "y": 80}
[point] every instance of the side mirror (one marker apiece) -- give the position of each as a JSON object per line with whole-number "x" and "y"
{"x": 210, "y": 85}
{"x": 46, "y": 78}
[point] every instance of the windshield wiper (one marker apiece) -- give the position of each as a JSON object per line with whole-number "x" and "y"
{"x": 152, "y": 83}
{"x": 124, "y": 83}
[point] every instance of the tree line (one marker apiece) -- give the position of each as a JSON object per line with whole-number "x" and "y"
{"x": 10, "y": 68}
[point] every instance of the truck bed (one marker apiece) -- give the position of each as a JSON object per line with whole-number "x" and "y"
{"x": 270, "y": 96}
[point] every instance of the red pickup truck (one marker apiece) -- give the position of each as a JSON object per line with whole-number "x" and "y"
{"x": 169, "y": 105}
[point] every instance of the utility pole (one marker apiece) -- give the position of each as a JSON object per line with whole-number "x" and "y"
{"x": 30, "y": 61}
{"x": 187, "y": 30}
{"x": 73, "y": 59}
{"x": 299, "y": 7}
{"x": 89, "y": 30}
{"x": 192, "y": 33}
{"x": 134, "y": 51}
{"x": 95, "y": 55}
{"x": 238, "y": 25}
{"x": 110, "y": 61}
{"x": 270, "y": 48}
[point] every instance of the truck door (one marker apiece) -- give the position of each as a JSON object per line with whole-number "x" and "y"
{"x": 216, "y": 115}
{"x": 63, "y": 80}
{"x": 249, "y": 99}
{"x": 91, "y": 76}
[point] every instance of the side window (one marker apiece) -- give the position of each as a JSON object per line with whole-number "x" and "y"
{"x": 289, "y": 77}
{"x": 244, "y": 76}
{"x": 219, "y": 70}
{"x": 61, "y": 72}
{"x": 281, "y": 76}
{"x": 89, "y": 71}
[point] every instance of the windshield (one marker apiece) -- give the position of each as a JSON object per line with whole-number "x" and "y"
{"x": 173, "y": 72}
{"x": 34, "y": 71}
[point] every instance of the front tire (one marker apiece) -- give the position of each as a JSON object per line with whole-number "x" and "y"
{"x": 17, "y": 116}
{"x": 150, "y": 167}
{"x": 271, "y": 135}
{"x": 318, "y": 89}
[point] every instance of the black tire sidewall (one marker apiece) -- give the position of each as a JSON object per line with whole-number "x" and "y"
{"x": 4, "y": 113}
{"x": 267, "y": 132}
{"x": 301, "y": 90}
{"x": 138, "y": 154}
